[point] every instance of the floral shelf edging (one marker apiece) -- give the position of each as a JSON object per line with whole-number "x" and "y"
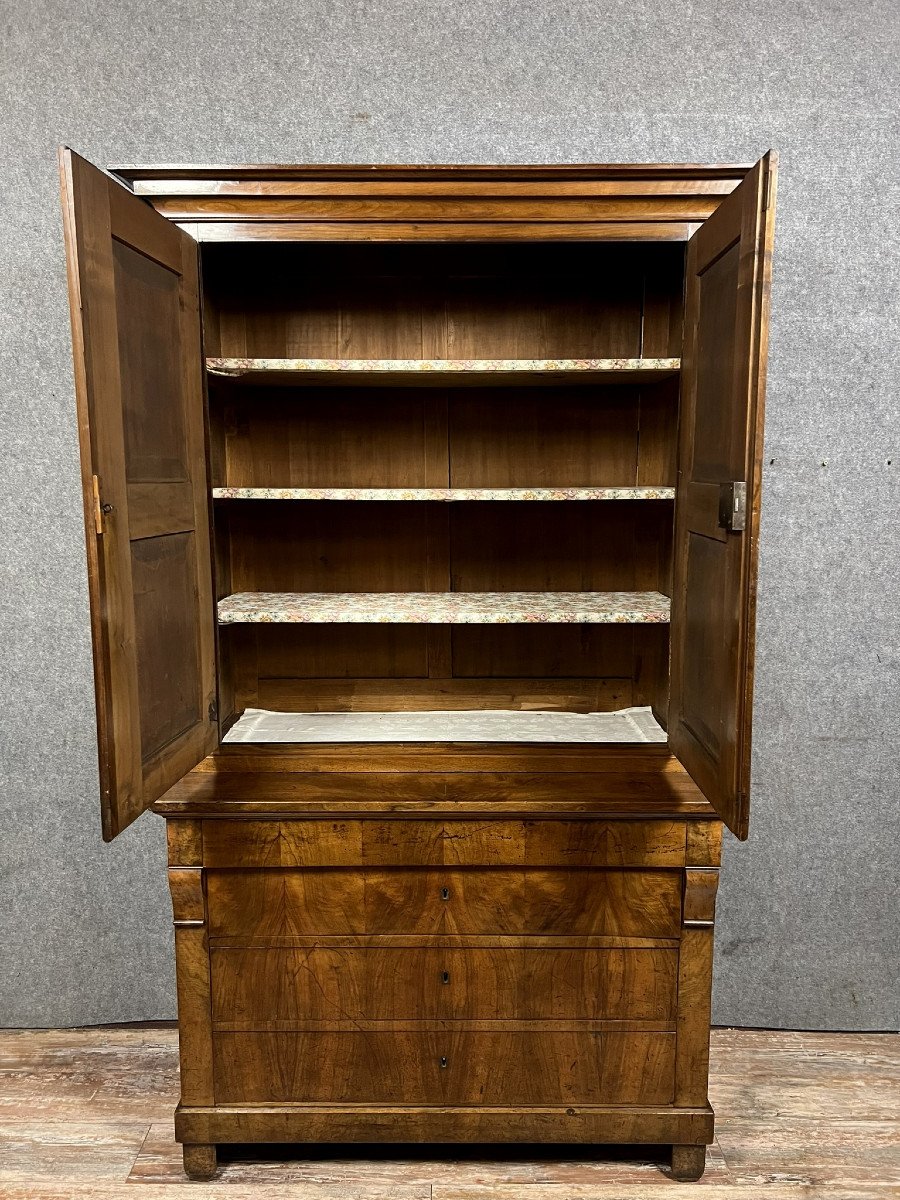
{"x": 445, "y": 494}
{"x": 443, "y": 608}
{"x": 236, "y": 367}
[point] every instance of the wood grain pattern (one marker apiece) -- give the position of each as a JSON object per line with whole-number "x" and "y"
{"x": 283, "y": 647}
{"x": 714, "y": 598}
{"x": 276, "y": 902}
{"x": 229, "y": 207}
{"x": 407, "y": 843}
{"x": 133, "y": 286}
{"x": 692, "y": 1022}
{"x": 283, "y": 988}
{"x": 372, "y": 301}
{"x": 700, "y": 884}
{"x": 199, "y": 1160}
{"x": 188, "y": 901}
{"x": 248, "y": 781}
{"x": 703, "y": 845}
{"x": 445, "y": 1067}
{"x": 445, "y": 231}
{"x": 185, "y": 843}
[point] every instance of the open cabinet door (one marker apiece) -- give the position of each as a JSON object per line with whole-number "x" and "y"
{"x": 717, "y": 505}
{"x": 133, "y": 291}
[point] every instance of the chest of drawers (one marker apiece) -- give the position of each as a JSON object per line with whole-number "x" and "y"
{"x": 443, "y": 974}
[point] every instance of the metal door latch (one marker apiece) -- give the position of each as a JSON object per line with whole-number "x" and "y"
{"x": 733, "y": 506}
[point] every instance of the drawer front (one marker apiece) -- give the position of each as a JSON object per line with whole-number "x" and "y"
{"x": 496, "y": 842}
{"x": 286, "y": 987}
{"x": 444, "y": 1067}
{"x": 283, "y": 903}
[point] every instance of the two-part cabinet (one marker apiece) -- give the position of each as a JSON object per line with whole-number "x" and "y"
{"x": 421, "y": 509}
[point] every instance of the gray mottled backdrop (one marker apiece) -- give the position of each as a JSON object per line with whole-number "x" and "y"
{"x": 809, "y": 929}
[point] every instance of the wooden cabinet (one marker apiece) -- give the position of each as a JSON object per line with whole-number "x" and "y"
{"x": 421, "y": 509}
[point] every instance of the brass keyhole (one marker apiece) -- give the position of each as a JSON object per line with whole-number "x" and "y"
{"x": 445, "y": 976}
{"x": 445, "y": 893}
{"x": 443, "y": 1062}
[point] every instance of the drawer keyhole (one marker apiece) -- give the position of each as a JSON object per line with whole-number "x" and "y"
{"x": 443, "y": 1063}
{"x": 445, "y": 893}
{"x": 445, "y": 976}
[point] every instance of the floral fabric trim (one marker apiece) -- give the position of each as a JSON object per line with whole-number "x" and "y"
{"x": 445, "y": 494}
{"x": 442, "y": 608}
{"x": 439, "y": 366}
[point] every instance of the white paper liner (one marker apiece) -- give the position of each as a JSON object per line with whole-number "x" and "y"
{"x": 493, "y": 725}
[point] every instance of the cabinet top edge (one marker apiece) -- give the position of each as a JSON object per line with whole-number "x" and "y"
{"x": 131, "y": 173}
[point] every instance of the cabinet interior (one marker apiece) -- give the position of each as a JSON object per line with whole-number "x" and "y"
{"x": 482, "y": 480}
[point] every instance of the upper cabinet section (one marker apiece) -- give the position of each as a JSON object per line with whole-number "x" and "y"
{"x": 133, "y": 285}
{"x": 617, "y": 202}
{"x": 554, "y": 313}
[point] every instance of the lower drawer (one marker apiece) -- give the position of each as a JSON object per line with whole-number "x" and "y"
{"x": 444, "y": 1067}
{"x": 285, "y": 986}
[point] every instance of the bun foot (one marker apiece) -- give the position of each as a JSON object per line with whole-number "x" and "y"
{"x": 688, "y": 1162}
{"x": 199, "y": 1160}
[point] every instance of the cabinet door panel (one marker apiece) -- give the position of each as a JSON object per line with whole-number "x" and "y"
{"x": 720, "y": 442}
{"x": 133, "y": 288}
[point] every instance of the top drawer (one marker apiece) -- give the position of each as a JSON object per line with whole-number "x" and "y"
{"x": 412, "y": 843}
{"x": 470, "y": 900}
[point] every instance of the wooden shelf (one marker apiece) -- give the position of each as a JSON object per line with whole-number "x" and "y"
{"x": 449, "y": 495}
{"x": 436, "y": 372}
{"x": 444, "y": 608}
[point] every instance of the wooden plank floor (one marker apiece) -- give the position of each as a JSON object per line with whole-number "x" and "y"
{"x": 88, "y": 1113}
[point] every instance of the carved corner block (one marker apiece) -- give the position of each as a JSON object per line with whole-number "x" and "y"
{"x": 699, "y": 905}
{"x": 188, "y": 898}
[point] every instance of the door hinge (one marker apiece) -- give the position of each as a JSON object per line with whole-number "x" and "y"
{"x": 99, "y": 509}
{"x": 733, "y": 506}
{"x": 767, "y": 192}
{"x": 213, "y": 711}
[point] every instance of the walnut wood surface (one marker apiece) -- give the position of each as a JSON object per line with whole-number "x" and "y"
{"x": 445, "y": 1067}
{"x": 439, "y": 942}
{"x": 199, "y": 1161}
{"x": 688, "y": 1162}
{"x": 447, "y": 1124}
{"x": 714, "y": 596}
{"x": 448, "y": 843}
{"x": 377, "y": 302}
{"x": 241, "y": 781}
{"x": 643, "y": 201}
{"x": 133, "y": 286}
{"x": 406, "y": 900}
{"x": 283, "y": 988}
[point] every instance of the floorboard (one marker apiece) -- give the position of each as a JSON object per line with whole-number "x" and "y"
{"x": 801, "y": 1116}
